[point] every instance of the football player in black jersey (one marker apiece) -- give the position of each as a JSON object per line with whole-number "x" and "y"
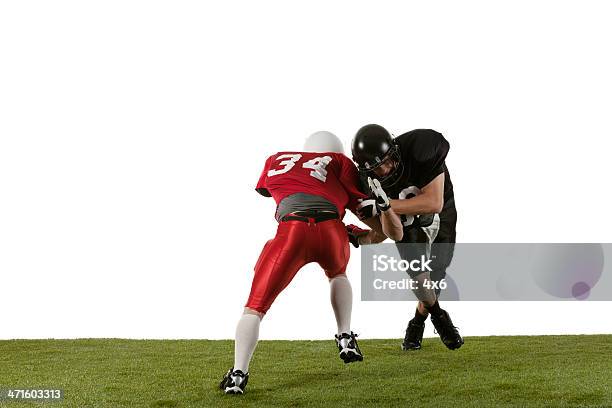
{"x": 411, "y": 169}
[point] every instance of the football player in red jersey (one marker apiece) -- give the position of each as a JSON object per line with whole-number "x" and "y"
{"x": 312, "y": 189}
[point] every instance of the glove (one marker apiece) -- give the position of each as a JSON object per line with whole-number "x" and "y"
{"x": 382, "y": 201}
{"x": 354, "y": 232}
{"x": 367, "y": 209}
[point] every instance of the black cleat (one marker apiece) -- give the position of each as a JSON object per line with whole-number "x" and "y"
{"x": 414, "y": 336}
{"x": 447, "y": 332}
{"x": 349, "y": 350}
{"x": 234, "y": 382}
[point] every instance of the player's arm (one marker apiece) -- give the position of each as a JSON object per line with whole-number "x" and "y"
{"x": 388, "y": 225}
{"x": 392, "y": 224}
{"x": 390, "y": 221}
{"x": 430, "y": 201}
{"x": 359, "y": 236}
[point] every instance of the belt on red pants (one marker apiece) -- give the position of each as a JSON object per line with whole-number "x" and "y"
{"x": 310, "y": 216}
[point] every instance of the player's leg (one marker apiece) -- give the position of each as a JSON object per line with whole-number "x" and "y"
{"x": 333, "y": 256}
{"x": 247, "y": 335}
{"x": 442, "y": 322}
{"x": 442, "y": 255}
{"x": 341, "y": 296}
{"x": 417, "y": 242}
{"x": 278, "y": 263}
{"x": 439, "y": 239}
{"x": 416, "y": 326}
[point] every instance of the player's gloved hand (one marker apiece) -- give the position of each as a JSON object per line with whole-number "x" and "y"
{"x": 367, "y": 209}
{"x": 354, "y": 232}
{"x": 382, "y": 201}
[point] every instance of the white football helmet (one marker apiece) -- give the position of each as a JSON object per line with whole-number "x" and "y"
{"x": 323, "y": 141}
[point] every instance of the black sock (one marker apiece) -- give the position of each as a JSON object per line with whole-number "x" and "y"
{"x": 434, "y": 309}
{"x": 419, "y": 318}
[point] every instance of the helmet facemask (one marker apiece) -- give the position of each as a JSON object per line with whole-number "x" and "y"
{"x": 394, "y": 175}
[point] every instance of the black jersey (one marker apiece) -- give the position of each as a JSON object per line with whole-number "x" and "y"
{"x": 423, "y": 154}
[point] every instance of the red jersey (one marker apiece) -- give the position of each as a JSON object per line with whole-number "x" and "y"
{"x": 330, "y": 175}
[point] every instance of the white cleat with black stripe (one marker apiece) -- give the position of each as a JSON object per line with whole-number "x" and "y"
{"x": 347, "y": 345}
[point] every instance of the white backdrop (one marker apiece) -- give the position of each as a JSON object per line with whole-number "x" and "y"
{"x": 132, "y": 135}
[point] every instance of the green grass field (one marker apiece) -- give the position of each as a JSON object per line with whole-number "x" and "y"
{"x": 573, "y": 371}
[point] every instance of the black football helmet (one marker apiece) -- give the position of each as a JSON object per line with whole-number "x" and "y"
{"x": 371, "y": 146}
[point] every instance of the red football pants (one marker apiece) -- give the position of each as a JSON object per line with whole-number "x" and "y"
{"x": 297, "y": 243}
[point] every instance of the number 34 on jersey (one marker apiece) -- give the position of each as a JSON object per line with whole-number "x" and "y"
{"x": 287, "y": 161}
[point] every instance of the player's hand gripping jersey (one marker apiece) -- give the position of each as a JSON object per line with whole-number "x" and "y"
{"x": 304, "y": 237}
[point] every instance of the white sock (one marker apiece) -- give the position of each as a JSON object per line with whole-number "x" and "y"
{"x": 247, "y": 333}
{"x": 341, "y": 295}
